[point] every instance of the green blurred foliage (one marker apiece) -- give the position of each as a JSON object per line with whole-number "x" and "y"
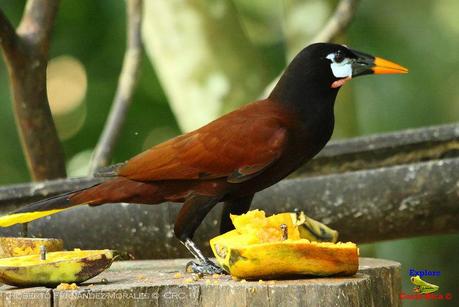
{"x": 421, "y": 35}
{"x": 94, "y": 33}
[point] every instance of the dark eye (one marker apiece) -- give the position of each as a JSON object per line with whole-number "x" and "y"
{"x": 339, "y": 57}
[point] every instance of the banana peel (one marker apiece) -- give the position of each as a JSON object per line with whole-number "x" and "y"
{"x": 14, "y": 247}
{"x": 275, "y": 246}
{"x": 59, "y": 267}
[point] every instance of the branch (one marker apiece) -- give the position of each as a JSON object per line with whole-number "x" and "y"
{"x": 26, "y": 55}
{"x": 338, "y": 22}
{"x": 376, "y": 205}
{"x": 366, "y": 206}
{"x": 37, "y": 22}
{"x": 8, "y": 37}
{"x": 126, "y": 84}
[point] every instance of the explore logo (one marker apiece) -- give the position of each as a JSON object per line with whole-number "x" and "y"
{"x": 424, "y": 290}
{"x": 423, "y": 273}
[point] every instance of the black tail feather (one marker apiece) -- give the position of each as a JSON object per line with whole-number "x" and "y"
{"x": 61, "y": 201}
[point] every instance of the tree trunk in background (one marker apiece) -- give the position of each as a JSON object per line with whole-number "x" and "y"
{"x": 205, "y": 62}
{"x": 25, "y": 51}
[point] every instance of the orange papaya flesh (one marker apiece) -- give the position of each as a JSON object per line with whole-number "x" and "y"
{"x": 17, "y": 246}
{"x": 257, "y": 248}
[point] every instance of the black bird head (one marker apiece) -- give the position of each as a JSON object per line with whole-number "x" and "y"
{"x": 319, "y": 70}
{"x": 346, "y": 63}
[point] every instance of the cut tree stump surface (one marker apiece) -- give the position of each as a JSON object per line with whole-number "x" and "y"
{"x": 164, "y": 283}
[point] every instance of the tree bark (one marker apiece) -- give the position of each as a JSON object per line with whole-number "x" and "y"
{"x": 26, "y": 55}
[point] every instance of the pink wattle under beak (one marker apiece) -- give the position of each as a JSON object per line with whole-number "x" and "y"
{"x": 340, "y": 82}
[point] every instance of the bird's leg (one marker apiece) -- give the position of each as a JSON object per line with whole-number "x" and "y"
{"x": 188, "y": 219}
{"x": 234, "y": 206}
{"x": 205, "y": 266}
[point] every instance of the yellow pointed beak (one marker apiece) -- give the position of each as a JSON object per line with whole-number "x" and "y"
{"x": 382, "y": 66}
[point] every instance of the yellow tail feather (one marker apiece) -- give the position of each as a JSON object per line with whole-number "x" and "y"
{"x": 20, "y": 218}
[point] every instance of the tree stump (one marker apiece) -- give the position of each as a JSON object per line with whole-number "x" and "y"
{"x": 163, "y": 283}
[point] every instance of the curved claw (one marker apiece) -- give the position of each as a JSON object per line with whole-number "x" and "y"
{"x": 207, "y": 268}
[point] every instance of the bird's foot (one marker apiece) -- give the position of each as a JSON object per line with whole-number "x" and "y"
{"x": 205, "y": 268}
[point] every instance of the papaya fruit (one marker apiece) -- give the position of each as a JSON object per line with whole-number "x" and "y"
{"x": 13, "y": 247}
{"x": 58, "y": 267}
{"x": 275, "y": 247}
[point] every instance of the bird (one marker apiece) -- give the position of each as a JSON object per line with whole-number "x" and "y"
{"x": 233, "y": 157}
